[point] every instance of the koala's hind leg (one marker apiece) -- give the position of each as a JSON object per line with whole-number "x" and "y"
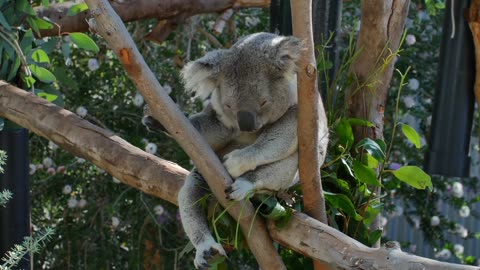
{"x": 194, "y": 219}
{"x": 275, "y": 176}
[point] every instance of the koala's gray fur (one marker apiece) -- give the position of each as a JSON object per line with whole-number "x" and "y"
{"x": 250, "y": 120}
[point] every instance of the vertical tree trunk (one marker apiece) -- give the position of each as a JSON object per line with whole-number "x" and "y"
{"x": 382, "y": 24}
{"x": 473, "y": 18}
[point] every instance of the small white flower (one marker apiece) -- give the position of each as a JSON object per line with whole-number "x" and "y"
{"x": 115, "y": 180}
{"x": 444, "y": 254}
{"x": 47, "y": 162}
{"x": 409, "y": 101}
{"x": 151, "y": 148}
{"x": 413, "y": 84}
{"x": 464, "y": 211}
{"x": 410, "y": 39}
{"x": 383, "y": 221}
{"x": 167, "y": 88}
{"x": 460, "y": 230}
{"x": 457, "y": 190}
{"x": 67, "y": 189}
{"x": 93, "y": 64}
{"x": 81, "y": 111}
{"x": 100, "y": 170}
{"x": 68, "y": 62}
{"x": 159, "y": 210}
{"x": 434, "y": 221}
{"x": 422, "y": 15}
{"x": 32, "y": 168}
{"x": 115, "y": 107}
{"x": 52, "y": 146}
{"x": 80, "y": 160}
{"x": 40, "y": 166}
{"x": 458, "y": 249}
{"x": 82, "y": 203}
{"x": 138, "y": 100}
{"x": 72, "y": 203}
{"x": 115, "y": 222}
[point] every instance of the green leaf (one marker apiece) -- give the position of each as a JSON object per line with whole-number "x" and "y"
{"x": 359, "y": 122}
{"x": 343, "y": 203}
{"x": 33, "y": 25}
{"x": 42, "y": 23}
{"x": 48, "y": 97}
{"x": 66, "y": 51}
{"x": 84, "y": 42}
{"x": 42, "y": 74}
{"x": 365, "y": 174}
{"x": 324, "y": 65}
{"x": 26, "y": 43}
{"x": 75, "y": 9}
{"x": 414, "y": 176}
{"x": 371, "y": 161}
{"x": 64, "y": 79}
{"x": 4, "y": 22}
{"x": 24, "y": 6}
{"x": 46, "y": 3}
{"x": 440, "y": 5}
{"x": 345, "y": 133}
{"x": 374, "y": 236}
{"x": 371, "y": 213}
{"x": 40, "y": 56}
{"x": 14, "y": 69}
{"x": 29, "y": 81}
{"x": 372, "y": 148}
{"x": 411, "y": 135}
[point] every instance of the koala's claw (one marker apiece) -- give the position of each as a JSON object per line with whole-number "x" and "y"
{"x": 239, "y": 189}
{"x": 206, "y": 251}
{"x": 237, "y": 163}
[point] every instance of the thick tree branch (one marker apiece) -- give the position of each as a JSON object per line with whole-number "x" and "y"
{"x": 163, "y": 179}
{"x": 132, "y": 166}
{"x": 382, "y": 27}
{"x": 110, "y": 26}
{"x": 133, "y": 10}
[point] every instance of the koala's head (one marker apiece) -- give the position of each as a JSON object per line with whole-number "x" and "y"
{"x": 251, "y": 84}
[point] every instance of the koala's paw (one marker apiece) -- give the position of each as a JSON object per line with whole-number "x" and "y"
{"x": 239, "y": 189}
{"x": 237, "y": 163}
{"x": 206, "y": 251}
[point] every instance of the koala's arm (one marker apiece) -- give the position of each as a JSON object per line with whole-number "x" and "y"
{"x": 207, "y": 124}
{"x": 278, "y": 141}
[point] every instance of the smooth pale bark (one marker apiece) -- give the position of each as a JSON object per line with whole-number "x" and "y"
{"x": 473, "y": 18}
{"x": 110, "y": 26}
{"x": 129, "y": 164}
{"x": 309, "y": 106}
{"x": 134, "y": 10}
{"x": 163, "y": 179}
{"x": 381, "y": 29}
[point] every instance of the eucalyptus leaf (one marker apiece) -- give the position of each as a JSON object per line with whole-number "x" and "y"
{"x": 342, "y": 202}
{"x": 75, "y": 9}
{"x": 345, "y": 133}
{"x": 48, "y": 97}
{"x": 365, "y": 174}
{"x": 40, "y": 56}
{"x": 42, "y": 74}
{"x": 84, "y": 42}
{"x": 372, "y": 147}
{"x": 360, "y": 122}
{"x": 414, "y": 176}
{"x": 411, "y": 135}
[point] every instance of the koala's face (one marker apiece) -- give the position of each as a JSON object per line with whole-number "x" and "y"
{"x": 251, "y": 84}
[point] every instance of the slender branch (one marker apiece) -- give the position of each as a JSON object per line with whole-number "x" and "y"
{"x": 133, "y": 10}
{"x": 163, "y": 179}
{"x": 110, "y": 26}
{"x": 310, "y": 106}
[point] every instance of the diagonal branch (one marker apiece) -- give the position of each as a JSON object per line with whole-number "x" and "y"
{"x": 111, "y": 27}
{"x": 163, "y": 179}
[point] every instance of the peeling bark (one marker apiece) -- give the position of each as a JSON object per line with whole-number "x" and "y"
{"x": 133, "y": 10}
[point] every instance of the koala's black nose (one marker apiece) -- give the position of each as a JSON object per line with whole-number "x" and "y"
{"x": 246, "y": 121}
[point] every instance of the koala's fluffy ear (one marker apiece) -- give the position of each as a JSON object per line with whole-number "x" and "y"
{"x": 200, "y": 75}
{"x": 288, "y": 51}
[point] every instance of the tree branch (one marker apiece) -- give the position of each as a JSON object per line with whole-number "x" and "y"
{"x": 133, "y": 10}
{"x": 110, "y": 26}
{"x": 163, "y": 179}
{"x": 473, "y": 18}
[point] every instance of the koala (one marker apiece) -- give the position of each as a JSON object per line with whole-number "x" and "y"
{"x": 250, "y": 121}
